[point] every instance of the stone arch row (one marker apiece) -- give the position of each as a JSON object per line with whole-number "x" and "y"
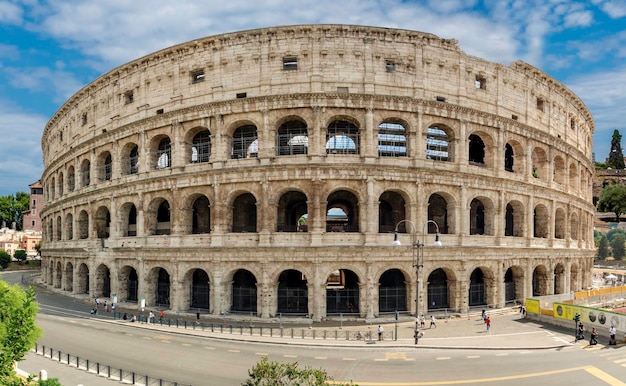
{"x": 342, "y": 135}
{"x": 198, "y": 214}
{"x": 289, "y": 291}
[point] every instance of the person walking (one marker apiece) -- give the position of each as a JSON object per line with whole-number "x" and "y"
{"x": 380, "y": 332}
{"x": 433, "y": 321}
{"x": 612, "y": 332}
{"x": 151, "y": 317}
{"x": 593, "y": 340}
{"x": 580, "y": 333}
{"x": 422, "y": 321}
{"x": 488, "y": 322}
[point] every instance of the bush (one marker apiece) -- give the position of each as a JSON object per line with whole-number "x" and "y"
{"x": 49, "y": 382}
{"x": 267, "y": 373}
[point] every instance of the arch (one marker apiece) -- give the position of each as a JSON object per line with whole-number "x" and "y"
{"x": 53, "y": 188}
{"x": 293, "y": 294}
{"x": 540, "y": 221}
{"x": 130, "y": 158}
{"x": 292, "y": 138}
{"x": 342, "y": 212}
{"x": 559, "y": 172}
{"x": 514, "y": 219}
{"x": 438, "y": 290}
{"x": 128, "y": 219}
{"x": 102, "y": 282}
{"x": 392, "y": 139}
{"x": 438, "y": 212}
{"x": 158, "y": 283}
{"x": 559, "y": 279}
{"x": 83, "y": 225}
{"x": 69, "y": 227}
{"x": 199, "y": 293}
{"x": 391, "y": 210}
{"x": 513, "y": 157}
{"x": 244, "y": 292}
{"x": 61, "y": 184}
{"x": 540, "y": 281}
{"x": 105, "y": 166}
{"x": 158, "y": 221}
{"x": 342, "y": 137}
{"x": 200, "y": 149}
{"x": 293, "y": 212}
{"x": 559, "y": 224}
{"x": 476, "y": 150}
{"x": 244, "y": 213}
{"x": 83, "y": 279}
{"x": 161, "y": 149}
{"x": 102, "y": 222}
{"x": 69, "y": 277}
{"x": 573, "y": 225}
{"x": 574, "y": 178}
{"x": 540, "y": 164}
{"x": 85, "y": 173}
{"x": 514, "y": 284}
{"x": 58, "y": 229}
{"x": 392, "y": 291}
{"x": 477, "y": 288}
{"x": 481, "y": 216}
{"x": 439, "y": 143}
{"x": 128, "y": 285}
{"x": 245, "y": 142}
{"x": 575, "y": 277}
{"x": 342, "y": 292}
{"x": 58, "y": 278}
{"x": 201, "y": 215}
{"x": 71, "y": 179}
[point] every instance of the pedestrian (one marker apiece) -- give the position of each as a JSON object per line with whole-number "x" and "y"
{"x": 106, "y": 307}
{"x": 483, "y": 316}
{"x": 580, "y": 334}
{"x": 593, "y": 340}
{"x": 151, "y": 317}
{"x": 423, "y": 321}
{"x": 125, "y": 317}
{"x": 161, "y": 315}
{"x": 612, "y": 332}
{"x": 113, "y": 307}
{"x": 488, "y": 322}
{"x": 433, "y": 321}
{"x": 380, "y": 332}
{"x": 97, "y": 302}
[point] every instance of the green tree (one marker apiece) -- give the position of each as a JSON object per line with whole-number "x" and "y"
{"x": 18, "y": 332}
{"x": 12, "y": 207}
{"x": 19, "y": 255}
{"x": 613, "y": 199}
{"x": 617, "y": 245}
{"x": 616, "y": 156}
{"x": 603, "y": 248}
{"x": 267, "y": 373}
{"x": 5, "y": 259}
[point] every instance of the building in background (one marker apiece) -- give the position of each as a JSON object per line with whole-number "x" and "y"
{"x": 31, "y": 219}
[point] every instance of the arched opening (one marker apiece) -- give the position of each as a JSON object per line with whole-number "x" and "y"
{"x": 103, "y": 282}
{"x": 69, "y": 227}
{"x": 540, "y": 281}
{"x": 439, "y": 143}
{"x": 342, "y": 137}
{"x": 559, "y": 224}
{"x": 540, "y": 222}
{"x": 391, "y": 210}
{"x": 477, "y": 217}
{"x": 293, "y": 297}
{"x": 342, "y": 292}
{"x": 200, "y": 290}
{"x": 128, "y": 285}
{"x": 559, "y": 279}
{"x": 71, "y": 179}
{"x": 201, "y": 147}
{"x": 292, "y": 138}
{"x": 85, "y": 173}
{"x": 163, "y": 219}
{"x": 477, "y": 295}
{"x": 164, "y": 154}
{"x": 83, "y": 225}
{"x": 476, "y": 151}
{"x": 201, "y": 216}
{"x": 342, "y": 212}
{"x": 292, "y": 212}
{"x": 83, "y": 279}
{"x": 438, "y": 290}
{"x": 509, "y": 158}
{"x": 245, "y": 142}
{"x": 163, "y": 289}
{"x": 69, "y": 277}
{"x": 392, "y": 139}
{"x": 244, "y": 213}
{"x": 103, "y": 222}
{"x": 392, "y": 292}
{"x": 244, "y": 292}
{"x": 438, "y": 212}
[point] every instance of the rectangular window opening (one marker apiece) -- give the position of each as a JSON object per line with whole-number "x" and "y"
{"x": 83, "y": 119}
{"x": 241, "y": 95}
{"x": 197, "y": 76}
{"x": 343, "y": 90}
{"x": 481, "y": 82}
{"x": 540, "y": 104}
{"x": 290, "y": 63}
{"x": 390, "y": 65}
{"x": 129, "y": 97}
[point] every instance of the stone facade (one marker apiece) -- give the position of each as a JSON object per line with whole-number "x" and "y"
{"x": 264, "y": 172}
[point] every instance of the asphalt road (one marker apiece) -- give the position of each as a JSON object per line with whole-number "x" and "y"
{"x": 197, "y": 360}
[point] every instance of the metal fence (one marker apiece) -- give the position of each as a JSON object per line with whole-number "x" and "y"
{"x": 112, "y": 373}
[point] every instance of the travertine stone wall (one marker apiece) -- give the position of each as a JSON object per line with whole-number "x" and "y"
{"x": 126, "y": 180}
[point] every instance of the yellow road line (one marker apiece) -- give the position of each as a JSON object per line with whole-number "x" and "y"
{"x": 590, "y": 369}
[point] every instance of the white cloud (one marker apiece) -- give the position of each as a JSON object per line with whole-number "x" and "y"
{"x": 615, "y": 9}
{"x": 10, "y": 13}
{"x": 20, "y": 149}
{"x": 578, "y": 19}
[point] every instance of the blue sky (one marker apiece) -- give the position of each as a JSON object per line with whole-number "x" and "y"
{"x": 50, "y": 49}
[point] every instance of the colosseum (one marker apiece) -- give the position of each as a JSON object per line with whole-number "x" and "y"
{"x": 267, "y": 173}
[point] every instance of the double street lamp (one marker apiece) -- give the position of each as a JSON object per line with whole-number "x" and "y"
{"x": 417, "y": 248}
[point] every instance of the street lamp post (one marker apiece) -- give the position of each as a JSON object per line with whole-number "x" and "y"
{"x": 418, "y": 261}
